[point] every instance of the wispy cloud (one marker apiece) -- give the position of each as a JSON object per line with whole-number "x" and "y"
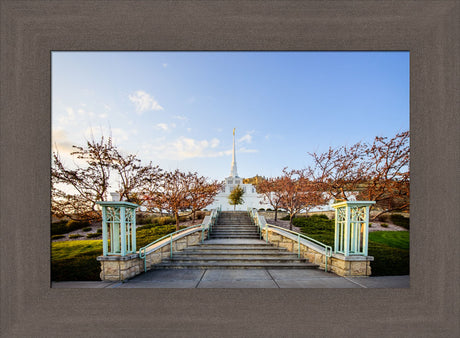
{"x": 67, "y": 117}
{"x": 247, "y": 138}
{"x": 245, "y": 150}
{"x": 60, "y": 142}
{"x": 118, "y": 135}
{"x": 83, "y": 112}
{"x": 165, "y": 65}
{"x": 144, "y": 101}
{"x": 181, "y": 117}
{"x": 187, "y": 148}
{"x": 165, "y": 126}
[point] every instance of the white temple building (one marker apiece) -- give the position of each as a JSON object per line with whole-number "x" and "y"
{"x": 250, "y": 197}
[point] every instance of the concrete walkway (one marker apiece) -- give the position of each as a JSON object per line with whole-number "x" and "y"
{"x": 244, "y": 278}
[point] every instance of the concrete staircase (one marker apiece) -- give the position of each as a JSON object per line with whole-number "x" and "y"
{"x": 235, "y": 244}
{"x": 236, "y": 224}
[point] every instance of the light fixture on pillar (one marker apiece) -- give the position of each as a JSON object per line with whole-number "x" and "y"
{"x": 352, "y": 227}
{"x": 118, "y": 227}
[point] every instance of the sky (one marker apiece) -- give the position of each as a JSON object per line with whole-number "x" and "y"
{"x": 178, "y": 109}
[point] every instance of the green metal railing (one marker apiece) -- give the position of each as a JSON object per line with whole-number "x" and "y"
{"x": 208, "y": 226}
{"x": 263, "y": 225}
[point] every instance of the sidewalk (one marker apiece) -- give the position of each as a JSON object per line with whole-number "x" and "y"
{"x": 243, "y": 278}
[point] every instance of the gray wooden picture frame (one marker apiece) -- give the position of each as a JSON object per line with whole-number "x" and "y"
{"x": 30, "y": 30}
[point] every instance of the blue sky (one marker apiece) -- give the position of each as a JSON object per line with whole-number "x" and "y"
{"x": 178, "y": 109}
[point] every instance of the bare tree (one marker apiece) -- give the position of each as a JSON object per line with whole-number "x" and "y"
{"x": 341, "y": 170}
{"x": 132, "y": 175}
{"x": 202, "y": 192}
{"x": 389, "y": 176}
{"x": 272, "y": 191}
{"x": 298, "y": 193}
{"x": 171, "y": 194}
{"x": 75, "y": 191}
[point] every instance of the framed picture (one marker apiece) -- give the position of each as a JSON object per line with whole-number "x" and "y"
{"x": 32, "y": 31}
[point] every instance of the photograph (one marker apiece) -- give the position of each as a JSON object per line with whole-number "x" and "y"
{"x": 230, "y": 169}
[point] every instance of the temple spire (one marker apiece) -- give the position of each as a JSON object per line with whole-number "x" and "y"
{"x": 234, "y": 172}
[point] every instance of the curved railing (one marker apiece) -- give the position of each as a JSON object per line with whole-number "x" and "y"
{"x": 204, "y": 226}
{"x": 260, "y": 222}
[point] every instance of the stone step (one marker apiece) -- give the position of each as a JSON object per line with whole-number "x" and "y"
{"x": 240, "y": 231}
{"x": 261, "y": 250}
{"x": 234, "y": 226}
{"x": 234, "y": 230}
{"x": 233, "y": 260}
{"x": 228, "y": 245}
{"x": 244, "y": 254}
{"x": 254, "y": 231}
{"x": 234, "y": 236}
{"x": 220, "y": 265}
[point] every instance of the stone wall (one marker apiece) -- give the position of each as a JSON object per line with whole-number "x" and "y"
{"x": 338, "y": 263}
{"x": 119, "y": 268}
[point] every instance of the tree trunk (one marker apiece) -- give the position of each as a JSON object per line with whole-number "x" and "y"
{"x": 290, "y": 221}
{"x": 276, "y": 214}
{"x": 176, "y": 215}
{"x": 193, "y": 216}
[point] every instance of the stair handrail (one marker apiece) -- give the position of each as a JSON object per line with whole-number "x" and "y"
{"x": 260, "y": 222}
{"x": 204, "y": 226}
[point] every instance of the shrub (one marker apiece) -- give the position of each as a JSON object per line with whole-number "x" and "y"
{"x": 144, "y": 219}
{"x": 99, "y": 231}
{"x": 92, "y": 235}
{"x": 64, "y": 227}
{"x": 384, "y": 225}
{"x": 57, "y": 236}
{"x": 183, "y": 218}
{"x": 388, "y": 261}
{"x": 87, "y": 229}
{"x": 76, "y": 225}
{"x": 78, "y": 268}
{"x": 200, "y": 214}
{"x": 146, "y": 226}
{"x": 400, "y": 220}
{"x": 383, "y": 218}
{"x": 285, "y": 218}
{"x": 165, "y": 220}
{"x": 147, "y": 234}
{"x": 74, "y": 236}
{"x": 314, "y": 224}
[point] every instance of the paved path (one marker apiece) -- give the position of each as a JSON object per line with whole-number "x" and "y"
{"x": 244, "y": 278}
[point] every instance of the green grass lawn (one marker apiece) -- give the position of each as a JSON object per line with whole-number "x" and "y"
{"x": 76, "y": 260}
{"x": 390, "y": 249}
{"x": 394, "y": 239}
{"x": 71, "y": 249}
